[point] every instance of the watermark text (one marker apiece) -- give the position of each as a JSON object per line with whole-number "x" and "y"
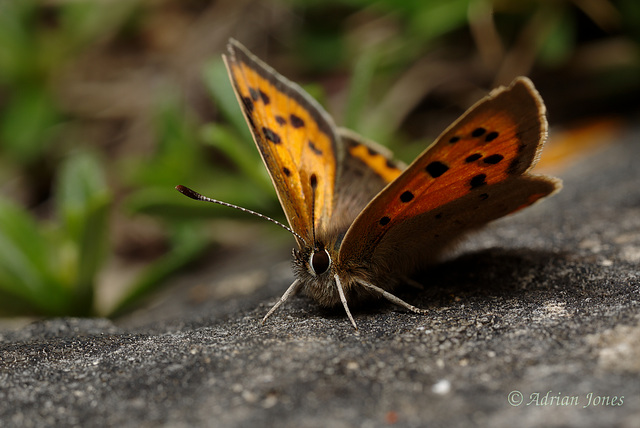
{"x": 552, "y": 398}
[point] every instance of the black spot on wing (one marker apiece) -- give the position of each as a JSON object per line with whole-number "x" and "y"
{"x": 472, "y": 158}
{"x": 270, "y": 135}
{"x": 406, "y": 196}
{"x": 436, "y": 169}
{"x": 493, "y": 159}
{"x": 265, "y": 98}
{"x": 296, "y": 121}
{"x": 248, "y": 104}
{"x": 314, "y": 149}
{"x": 478, "y": 132}
{"x": 384, "y": 221}
{"x": 491, "y": 136}
{"x": 478, "y": 180}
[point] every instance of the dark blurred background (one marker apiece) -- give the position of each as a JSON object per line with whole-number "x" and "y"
{"x": 105, "y": 106}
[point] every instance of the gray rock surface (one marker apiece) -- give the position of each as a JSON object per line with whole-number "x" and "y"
{"x": 535, "y": 321}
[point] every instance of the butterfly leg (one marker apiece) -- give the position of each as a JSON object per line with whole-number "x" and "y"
{"x": 293, "y": 289}
{"x": 343, "y": 299}
{"x": 390, "y": 297}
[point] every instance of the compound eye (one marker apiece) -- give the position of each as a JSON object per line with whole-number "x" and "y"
{"x": 320, "y": 262}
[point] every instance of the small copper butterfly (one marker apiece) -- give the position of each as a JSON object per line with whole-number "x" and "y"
{"x": 364, "y": 222}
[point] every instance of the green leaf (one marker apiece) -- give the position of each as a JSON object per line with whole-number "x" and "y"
{"x": 435, "y": 18}
{"x": 217, "y": 82}
{"x": 359, "y": 90}
{"x": 26, "y": 263}
{"x": 26, "y": 123}
{"x": 83, "y": 200}
{"x": 16, "y": 39}
{"x": 245, "y": 157}
{"x": 558, "y": 38}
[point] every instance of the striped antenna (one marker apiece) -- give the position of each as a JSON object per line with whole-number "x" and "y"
{"x": 198, "y": 197}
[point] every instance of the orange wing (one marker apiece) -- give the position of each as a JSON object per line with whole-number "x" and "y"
{"x": 494, "y": 142}
{"x": 376, "y": 158}
{"x": 295, "y": 136}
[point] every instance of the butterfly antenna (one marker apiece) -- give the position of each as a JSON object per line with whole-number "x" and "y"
{"x": 198, "y": 197}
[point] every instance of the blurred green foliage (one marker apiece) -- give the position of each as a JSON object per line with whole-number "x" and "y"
{"x": 33, "y": 51}
{"x": 55, "y": 243}
{"x": 50, "y": 267}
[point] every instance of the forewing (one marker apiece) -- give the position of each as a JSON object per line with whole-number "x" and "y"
{"x": 295, "y": 136}
{"x": 493, "y": 144}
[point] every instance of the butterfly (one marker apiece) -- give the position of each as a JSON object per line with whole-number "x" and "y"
{"x": 364, "y": 222}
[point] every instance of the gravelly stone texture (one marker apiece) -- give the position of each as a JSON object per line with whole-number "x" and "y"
{"x": 535, "y": 321}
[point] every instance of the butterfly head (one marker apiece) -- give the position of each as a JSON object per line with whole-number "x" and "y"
{"x": 314, "y": 266}
{"x": 319, "y": 260}
{"x": 313, "y": 261}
